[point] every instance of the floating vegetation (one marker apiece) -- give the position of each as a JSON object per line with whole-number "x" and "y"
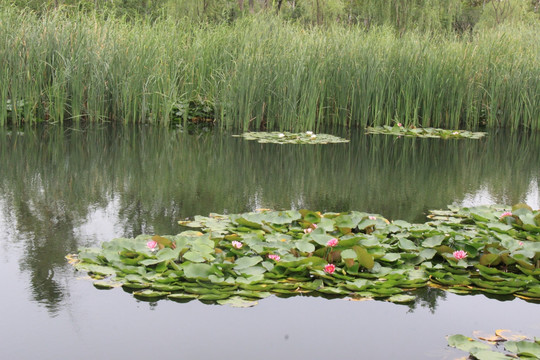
{"x": 429, "y": 132}
{"x": 292, "y": 138}
{"x": 250, "y": 256}
{"x": 489, "y": 347}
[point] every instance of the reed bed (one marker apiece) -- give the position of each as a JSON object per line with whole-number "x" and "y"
{"x": 262, "y": 73}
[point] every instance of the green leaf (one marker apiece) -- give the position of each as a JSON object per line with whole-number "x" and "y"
{"x": 365, "y": 259}
{"x": 245, "y": 262}
{"x": 433, "y": 241}
{"x": 407, "y": 245}
{"x": 305, "y": 246}
{"x": 466, "y": 343}
{"x": 523, "y": 348}
{"x": 197, "y": 271}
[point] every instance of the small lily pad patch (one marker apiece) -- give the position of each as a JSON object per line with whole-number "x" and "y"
{"x": 292, "y": 138}
{"x": 429, "y": 132}
{"x": 491, "y": 250}
{"x": 496, "y": 347}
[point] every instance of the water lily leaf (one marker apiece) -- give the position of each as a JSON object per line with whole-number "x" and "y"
{"x": 105, "y": 285}
{"x": 252, "y": 270}
{"x": 246, "y": 262}
{"x": 488, "y": 355}
{"x": 150, "y": 294}
{"x": 490, "y": 259}
{"x": 401, "y": 298}
{"x": 321, "y": 239}
{"x": 349, "y": 254}
{"x": 194, "y": 256}
{"x": 163, "y": 242}
{"x": 95, "y": 269}
{"x": 364, "y": 258}
{"x": 249, "y": 224}
{"x": 148, "y": 262}
{"x": 194, "y": 271}
{"x": 182, "y": 297}
{"x": 523, "y": 348}
{"x": 305, "y": 246}
{"x": 390, "y": 257}
{"x": 407, "y": 245}
{"x": 466, "y": 343}
{"x": 238, "y": 302}
{"x": 433, "y": 241}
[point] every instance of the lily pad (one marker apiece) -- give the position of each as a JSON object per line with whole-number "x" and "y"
{"x": 411, "y": 131}
{"x": 292, "y": 138}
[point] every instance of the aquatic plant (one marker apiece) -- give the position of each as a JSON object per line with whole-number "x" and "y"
{"x": 400, "y": 130}
{"x": 489, "y": 346}
{"x": 292, "y": 138}
{"x": 348, "y": 254}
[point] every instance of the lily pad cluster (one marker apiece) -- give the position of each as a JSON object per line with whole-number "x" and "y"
{"x": 292, "y": 138}
{"x": 429, "y": 132}
{"x": 504, "y": 344}
{"x": 350, "y": 254}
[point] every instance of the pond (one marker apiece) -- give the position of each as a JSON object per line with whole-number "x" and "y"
{"x": 66, "y": 188}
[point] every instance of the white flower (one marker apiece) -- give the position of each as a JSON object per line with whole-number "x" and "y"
{"x": 309, "y": 132}
{"x": 281, "y": 135}
{"x": 313, "y": 136}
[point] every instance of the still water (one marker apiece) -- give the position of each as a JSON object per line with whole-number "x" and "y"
{"x": 64, "y": 188}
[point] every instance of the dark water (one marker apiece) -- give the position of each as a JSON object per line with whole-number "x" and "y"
{"x": 61, "y": 189}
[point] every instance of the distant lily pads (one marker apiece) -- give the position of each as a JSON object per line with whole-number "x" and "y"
{"x": 493, "y": 250}
{"x": 292, "y": 138}
{"x": 429, "y": 132}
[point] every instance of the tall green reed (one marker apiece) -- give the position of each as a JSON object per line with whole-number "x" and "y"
{"x": 263, "y": 73}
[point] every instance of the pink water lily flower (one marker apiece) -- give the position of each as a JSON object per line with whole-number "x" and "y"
{"x": 329, "y": 268}
{"x": 236, "y": 244}
{"x": 314, "y": 226}
{"x": 151, "y": 245}
{"x": 399, "y": 124}
{"x": 372, "y": 218}
{"x": 308, "y": 230}
{"x": 274, "y": 257}
{"x": 460, "y": 254}
{"x": 505, "y": 214}
{"x": 332, "y": 242}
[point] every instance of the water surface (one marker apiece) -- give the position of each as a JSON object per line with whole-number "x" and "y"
{"x": 65, "y": 188}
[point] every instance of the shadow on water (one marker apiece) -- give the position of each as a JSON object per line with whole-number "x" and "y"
{"x": 61, "y": 188}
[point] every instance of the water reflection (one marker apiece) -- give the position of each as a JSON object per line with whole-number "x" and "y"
{"x": 61, "y": 189}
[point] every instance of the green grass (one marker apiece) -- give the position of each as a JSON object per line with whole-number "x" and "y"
{"x": 262, "y": 73}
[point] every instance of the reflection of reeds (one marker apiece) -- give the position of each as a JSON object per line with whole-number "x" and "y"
{"x": 263, "y": 73}
{"x": 157, "y": 176}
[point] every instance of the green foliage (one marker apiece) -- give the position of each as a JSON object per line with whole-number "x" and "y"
{"x": 292, "y": 138}
{"x": 483, "y": 348}
{"x": 340, "y": 254}
{"x": 261, "y": 73}
{"x": 399, "y": 130}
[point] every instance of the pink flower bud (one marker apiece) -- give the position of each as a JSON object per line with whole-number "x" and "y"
{"x": 151, "y": 245}
{"x": 236, "y": 244}
{"x": 274, "y": 257}
{"x": 505, "y": 214}
{"x": 460, "y": 254}
{"x": 399, "y": 124}
{"x": 329, "y": 268}
{"x": 308, "y": 230}
{"x": 372, "y": 218}
{"x": 332, "y": 242}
